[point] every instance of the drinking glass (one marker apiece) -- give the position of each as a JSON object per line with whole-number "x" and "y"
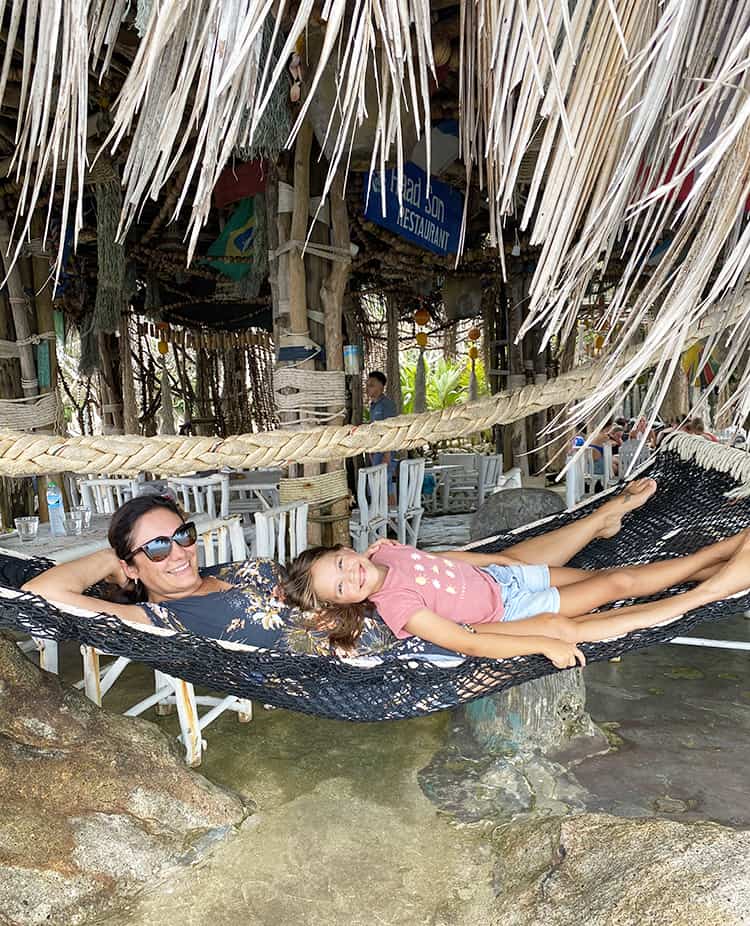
{"x": 85, "y": 513}
{"x": 74, "y": 520}
{"x": 27, "y": 528}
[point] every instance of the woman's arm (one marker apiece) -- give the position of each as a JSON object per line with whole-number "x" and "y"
{"x": 65, "y": 584}
{"x": 430, "y": 626}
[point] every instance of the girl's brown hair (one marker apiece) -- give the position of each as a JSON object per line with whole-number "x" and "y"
{"x": 342, "y": 622}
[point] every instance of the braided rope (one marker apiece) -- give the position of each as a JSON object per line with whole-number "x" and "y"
{"x": 30, "y": 454}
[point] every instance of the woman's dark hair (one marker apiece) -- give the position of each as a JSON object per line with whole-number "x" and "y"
{"x": 342, "y": 622}
{"x": 120, "y": 535}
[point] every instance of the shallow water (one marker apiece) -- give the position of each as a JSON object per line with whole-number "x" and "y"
{"x": 344, "y": 834}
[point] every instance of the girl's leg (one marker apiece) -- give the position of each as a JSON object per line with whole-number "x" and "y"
{"x": 558, "y": 547}
{"x": 614, "y": 584}
{"x": 733, "y": 577}
{"x": 730, "y": 579}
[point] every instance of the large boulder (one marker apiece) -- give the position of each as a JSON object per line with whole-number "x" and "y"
{"x": 607, "y": 871}
{"x": 512, "y": 508}
{"x": 547, "y": 715}
{"x": 94, "y": 805}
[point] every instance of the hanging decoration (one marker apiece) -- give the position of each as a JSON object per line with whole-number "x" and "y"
{"x": 473, "y": 336}
{"x": 421, "y": 318}
{"x": 206, "y": 338}
{"x": 166, "y": 417}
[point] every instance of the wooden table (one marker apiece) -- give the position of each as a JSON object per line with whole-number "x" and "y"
{"x": 442, "y": 473}
{"x": 253, "y": 491}
{"x": 61, "y": 549}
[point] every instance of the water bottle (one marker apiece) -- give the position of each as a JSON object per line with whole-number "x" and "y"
{"x": 55, "y": 508}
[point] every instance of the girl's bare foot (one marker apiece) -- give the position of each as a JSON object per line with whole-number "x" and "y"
{"x": 636, "y": 493}
{"x": 732, "y": 578}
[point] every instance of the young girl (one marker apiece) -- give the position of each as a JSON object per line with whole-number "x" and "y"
{"x": 520, "y": 602}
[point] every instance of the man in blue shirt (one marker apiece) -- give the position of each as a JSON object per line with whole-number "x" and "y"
{"x": 382, "y": 407}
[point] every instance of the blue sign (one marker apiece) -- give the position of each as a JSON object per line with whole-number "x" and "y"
{"x": 432, "y": 222}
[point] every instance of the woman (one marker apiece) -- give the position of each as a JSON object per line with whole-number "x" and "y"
{"x": 153, "y": 562}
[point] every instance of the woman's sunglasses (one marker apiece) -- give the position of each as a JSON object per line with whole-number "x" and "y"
{"x": 158, "y": 549}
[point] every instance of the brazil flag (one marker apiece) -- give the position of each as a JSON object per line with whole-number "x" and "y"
{"x": 237, "y": 240}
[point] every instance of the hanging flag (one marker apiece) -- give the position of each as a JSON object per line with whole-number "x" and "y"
{"x": 236, "y": 240}
{"x": 699, "y": 375}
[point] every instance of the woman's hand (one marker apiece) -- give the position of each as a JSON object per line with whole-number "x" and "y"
{"x": 382, "y": 542}
{"x": 562, "y": 654}
{"x": 117, "y": 575}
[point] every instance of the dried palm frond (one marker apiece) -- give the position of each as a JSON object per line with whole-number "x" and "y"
{"x": 681, "y": 107}
{"x": 197, "y": 79}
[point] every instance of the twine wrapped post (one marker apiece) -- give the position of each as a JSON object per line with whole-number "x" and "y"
{"x": 297, "y": 283}
{"x": 332, "y": 300}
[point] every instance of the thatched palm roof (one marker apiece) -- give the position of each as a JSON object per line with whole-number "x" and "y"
{"x": 635, "y": 111}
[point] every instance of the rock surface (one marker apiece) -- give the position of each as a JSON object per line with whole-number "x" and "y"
{"x": 607, "y": 871}
{"x": 93, "y": 804}
{"x": 512, "y": 508}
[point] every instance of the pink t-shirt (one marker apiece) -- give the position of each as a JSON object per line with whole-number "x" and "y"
{"x": 450, "y": 588}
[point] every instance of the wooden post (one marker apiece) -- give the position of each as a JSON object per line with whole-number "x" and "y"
{"x": 111, "y": 397}
{"x": 298, "y": 323}
{"x": 129, "y": 403}
{"x": 516, "y": 434}
{"x": 332, "y": 300}
{"x": 676, "y": 402}
{"x": 45, "y": 320}
{"x": 393, "y": 368}
{"x": 19, "y": 305}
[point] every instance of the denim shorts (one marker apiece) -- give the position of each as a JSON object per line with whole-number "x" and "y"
{"x": 525, "y": 590}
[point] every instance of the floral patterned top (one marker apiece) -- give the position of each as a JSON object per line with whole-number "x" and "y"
{"x": 249, "y": 613}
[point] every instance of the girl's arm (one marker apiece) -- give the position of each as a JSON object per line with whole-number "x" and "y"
{"x": 430, "y": 626}
{"x": 482, "y": 559}
{"x": 65, "y": 584}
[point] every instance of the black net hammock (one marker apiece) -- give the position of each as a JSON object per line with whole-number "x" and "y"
{"x": 698, "y": 501}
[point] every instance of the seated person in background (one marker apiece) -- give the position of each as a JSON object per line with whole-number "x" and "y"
{"x": 598, "y": 441}
{"x": 382, "y": 407}
{"x": 697, "y": 426}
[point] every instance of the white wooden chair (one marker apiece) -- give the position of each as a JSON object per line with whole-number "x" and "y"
{"x": 251, "y": 491}
{"x": 203, "y": 494}
{"x": 462, "y": 485}
{"x": 370, "y": 522}
{"x": 281, "y": 532}
{"x": 574, "y": 482}
{"x": 72, "y": 486}
{"x": 490, "y": 470}
{"x": 104, "y": 496}
{"x": 220, "y": 541}
{"x": 630, "y": 453}
{"x": 407, "y": 517}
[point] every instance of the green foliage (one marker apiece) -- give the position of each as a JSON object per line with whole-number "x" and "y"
{"x": 447, "y": 382}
